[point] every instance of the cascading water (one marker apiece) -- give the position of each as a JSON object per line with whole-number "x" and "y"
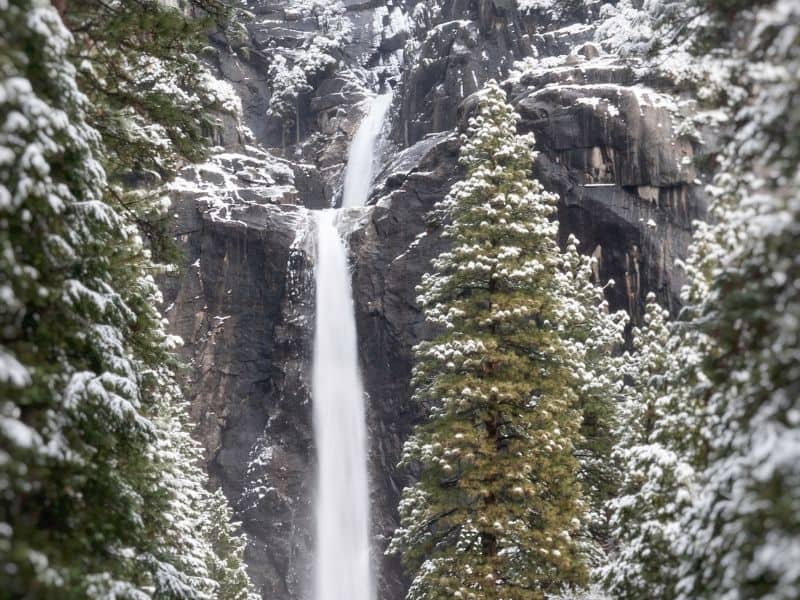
{"x": 342, "y": 504}
{"x": 360, "y": 161}
{"x": 342, "y": 559}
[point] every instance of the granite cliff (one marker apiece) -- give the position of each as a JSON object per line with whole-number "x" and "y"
{"x": 619, "y": 145}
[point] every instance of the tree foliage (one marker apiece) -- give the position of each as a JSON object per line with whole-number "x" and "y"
{"x": 710, "y": 508}
{"x": 742, "y": 528}
{"x": 656, "y": 472}
{"x": 140, "y": 64}
{"x": 498, "y": 506}
{"x": 98, "y": 493}
{"x": 294, "y": 72}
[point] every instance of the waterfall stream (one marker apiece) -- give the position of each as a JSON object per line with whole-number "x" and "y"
{"x": 342, "y": 505}
{"x": 361, "y": 159}
{"x": 342, "y": 558}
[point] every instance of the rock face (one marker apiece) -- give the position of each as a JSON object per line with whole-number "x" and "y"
{"x": 610, "y": 145}
{"x": 465, "y": 45}
{"x": 611, "y": 149}
{"x": 244, "y": 307}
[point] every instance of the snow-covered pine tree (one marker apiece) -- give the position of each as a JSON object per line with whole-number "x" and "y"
{"x": 295, "y": 71}
{"x": 660, "y": 445}
{"x": 140, "y": 64}
{"x": 498, "y": 504}
{"x": 656, "y": 479}
{"x": 97, "y": 493}
{"x": 742, "y": 530}
{"x": 202, "y": 529}
{"x": 593, "y": 335}
{"x": 227, "y": 567}
{"x": 711, "y": 507}
{"x": 288, "y": 82}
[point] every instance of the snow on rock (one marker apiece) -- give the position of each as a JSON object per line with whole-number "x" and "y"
{"x": 633, "y": 135}
{"x": 230, "y": 179}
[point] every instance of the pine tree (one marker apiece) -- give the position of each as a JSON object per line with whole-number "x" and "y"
{"x": 711, "y": 507}
{"x": 140, "y": 64}
{"x": 593, "y": 335}
{"x": 742, "y": 528}
{"x": 294, "y": 72}
{"x": 227, "y": 566}
{"x": 498, "y": 504}
{"x": 656, "y": 479}
{"x": 202, "y": 527}
{"x": 288, "y": 83}
{"x": 659, "y": 440}
{"x": 98, "y": 496}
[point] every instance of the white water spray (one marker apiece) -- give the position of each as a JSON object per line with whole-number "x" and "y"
{"x": 342, "y": 559}
{"x": 342, "y": 505}
{"x": 361, "y": 158}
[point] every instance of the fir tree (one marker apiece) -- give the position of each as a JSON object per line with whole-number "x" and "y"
{"x": 659, "y": 441}
{"x": 202, "y": 521}
{"x": 227, "y": 566}
{"x": 498, "y": 504}
{"x": 294, "y": 72}
{"x": 140, "y": 64}
{"x": 288, "y": 83}
{"x": 742, "y": 528}
{"x": 98, "y": 493}
{"x": 656, "y": 478}
{"x": 710, "y": 507}
{"x": 593, "y": 335}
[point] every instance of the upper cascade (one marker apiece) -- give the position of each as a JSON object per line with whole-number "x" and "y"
{"x": 361, "y": 157}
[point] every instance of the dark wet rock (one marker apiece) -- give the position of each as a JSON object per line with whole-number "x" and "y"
{"x": 242, "y": 306}
{"x": 244, "y": 57}
{"x": 631, "y": 128}
{"x": 637, "y": 242}
{"x": 422, "y": 158}
{"x": 467, "y": 43}
{"x": 613, "y": 149}
{"x": 312, "y": 186}
{"x": 454, "y": 61}
{"x": 249, "y": 79}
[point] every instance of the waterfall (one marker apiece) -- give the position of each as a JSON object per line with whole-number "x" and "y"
{"x": 342, "y": 558}
{"x": 342, "y": 505}
{"x": 361, "y": 158}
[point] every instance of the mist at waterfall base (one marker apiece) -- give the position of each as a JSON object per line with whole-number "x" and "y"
{"x": 342, "y": 555}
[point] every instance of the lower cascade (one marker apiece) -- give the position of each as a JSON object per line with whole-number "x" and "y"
{"x": 342, "y": 566}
